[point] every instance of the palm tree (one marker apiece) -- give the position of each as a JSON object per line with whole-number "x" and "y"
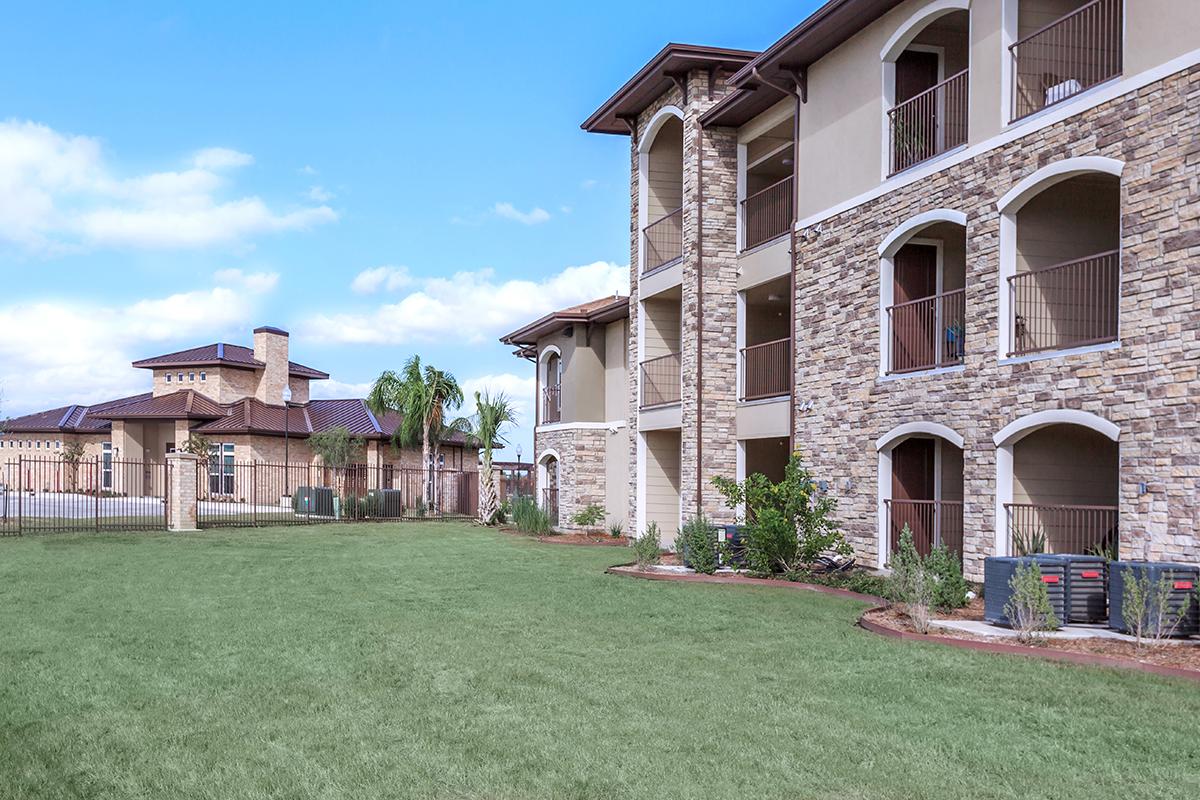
{"x": 420, "y": 395}
{"x": 491, "y": 415}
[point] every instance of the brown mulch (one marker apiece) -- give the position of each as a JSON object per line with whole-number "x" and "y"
{"x": 1174, "y": 656}
{"x": 591, "y": 539}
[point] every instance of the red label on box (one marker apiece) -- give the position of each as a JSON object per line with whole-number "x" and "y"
{"x": 1184, "y": 585}
{"x": 1049, "y": 579}
{"x": 1090, "y": 574}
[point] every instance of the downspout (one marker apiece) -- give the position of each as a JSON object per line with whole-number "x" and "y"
{"x": 699, "y": 315}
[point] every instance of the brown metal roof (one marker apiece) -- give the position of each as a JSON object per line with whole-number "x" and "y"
{"x": 822, "y": 31}
{"x": 603, "y": 310}
{"x": 184, "y": 404}
{"x": 69, "y": 419}
{"x": 653, "y": 79}
{"x": 225, "y": 355}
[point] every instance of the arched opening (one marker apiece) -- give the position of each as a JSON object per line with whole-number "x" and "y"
{"x": 923, "y": 297}
{"x": 926, "y": 75}
{"x": 1060, "y": 487}
{"x": 548, "y": 483}
{"x": 921, "y": 488}
{"x": 661, "y": 192}
{"x": 1060, "y": 260}
{"x": 552, "y": 388}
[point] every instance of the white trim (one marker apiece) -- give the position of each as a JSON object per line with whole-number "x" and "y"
{"x": 914, "y": 225}
{"x": 924, "y": 373}
{"x": 909, "y": 429}
{"x": 1057, "y": 172}
{"x": 912, "y": 27}
{"x": 645, "y": 142}
{"x": 1064, "y": 110}
{"x": 740, "y": 343}
{"x": 656, "y": 122}
{"x": 640, "y": 487}
{"x": 1072, "y": 351}
{"x": 543, "y": 473}
{"x": 612, "y": 426}
{"x": 1022, "y": 427}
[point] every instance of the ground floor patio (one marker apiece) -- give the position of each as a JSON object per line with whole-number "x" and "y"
{"x": 444, "y": 660}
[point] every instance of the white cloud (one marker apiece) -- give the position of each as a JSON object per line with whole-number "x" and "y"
{"x": 387, "y": 278}
{"x": 58, "y": 193}
{"x": 519, "y": 389}
{"x": 469, "y": 307}
{"x": 534, "y": 216}
{"x": 319, "y": 194}
{"x": 79, "y": 351}
{"x": 220, "y": 158}
{"x": 338, "y": 390}
{"x": 307, "y": 170}
{"x": 590, "y": 183}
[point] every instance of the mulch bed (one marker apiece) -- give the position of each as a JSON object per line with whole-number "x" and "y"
{"x": 597, "y": 539}
{"x": 1176, "y": 661}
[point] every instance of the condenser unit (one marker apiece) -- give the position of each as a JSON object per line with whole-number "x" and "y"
{"x": 1086, "y": 586}
{"x": 1179, "y": 580}
{"x": 998, "y": 572}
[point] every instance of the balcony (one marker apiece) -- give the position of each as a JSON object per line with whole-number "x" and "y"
{"x": 929, "y": 333}
{"x": 1034, "y": 528}
{"x": 1070, "y": 55}
{"x": 660, "y": 381}
{"x": 662, "y": 241}
{"x": 1072, "y": 304}
{"x": 767, "y": 214}
{"x": 552, "y": 403}
{"x": 928, "y": 124}
{"x": 550, "y": 503}
{"x": 765, "y": 370}
{"x": 931, "y": 522}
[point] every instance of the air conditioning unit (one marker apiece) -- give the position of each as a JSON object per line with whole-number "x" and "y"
{"x": 1087, "y": 587}
{"x": 998, "y": 572}
{"x": 1181, "y": 581}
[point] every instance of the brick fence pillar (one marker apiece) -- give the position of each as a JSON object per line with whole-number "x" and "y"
{"x": 181, "y": 499}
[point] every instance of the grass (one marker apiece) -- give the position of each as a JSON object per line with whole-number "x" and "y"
{"x": 421, "y": 660}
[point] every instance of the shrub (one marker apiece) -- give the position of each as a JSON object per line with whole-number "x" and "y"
{"x": 529, "y": 517}
{"x": 949, "y": 587}
{"x": 698, "y": 545}
{"x": 647, "y": 548}
{"x": 1029, "y": 542}
{"x": 1028, "y": 608}
{"x": 789, "y": 524}
{"x": 854, "y": 580}
{"x": 617, "y": 529}
{"x": 1146, "y": 606}
{"x": 588, "y": 517}
{"x": 910, "y": 585}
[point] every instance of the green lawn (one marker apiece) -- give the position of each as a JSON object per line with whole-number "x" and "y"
{"x": 417, "y": 660}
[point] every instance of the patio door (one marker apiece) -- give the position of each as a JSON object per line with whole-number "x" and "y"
{"x": 915, "y": 270}
{"x": 913, "y": 492}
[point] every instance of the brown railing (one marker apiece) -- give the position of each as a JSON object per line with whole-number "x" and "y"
{"x": 50, "y": 495}
{"x": 932, "y": 522}
{"x": 552, "y": 403}
{"x": 1066, "y": 57}
{"x": 767, "y": 214}
{"x": 660, "y": 380}
{"x": 662, "y": 241}
{"x": 929, "y": 124}
{"x": 928, "y": 333}
{"x": 1072, "y": 304}
{"x": 765, "y": 370}
{"x": 550, "y": 504}
{"x": 1062, "y": 529}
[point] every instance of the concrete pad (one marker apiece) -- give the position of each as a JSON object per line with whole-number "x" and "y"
{"x": 979, "y": 628}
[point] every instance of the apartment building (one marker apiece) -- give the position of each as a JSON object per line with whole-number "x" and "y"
{"x": 251, "y": 404}
{"x": 581, "y": 434}
{"x": 948, "y": 250}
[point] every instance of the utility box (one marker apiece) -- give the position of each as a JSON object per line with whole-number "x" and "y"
{"x": 1180, "y": 582}
{"x": 386, "y": 503}
{"x": 316, "y": 501}
{"x": 998, "y": 572}
{"x": 732, "y": 536}
{"x": 1086, "y": 589}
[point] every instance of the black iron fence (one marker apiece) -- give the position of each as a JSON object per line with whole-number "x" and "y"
{"x": 232, "y": 494}
{"x": 52, "y": 495}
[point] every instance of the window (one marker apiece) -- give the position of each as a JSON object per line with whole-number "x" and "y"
{"x": 38, "y": 445}
{"x": 203, "y": 376}
{"x": 106, "y": 465}
{"x": 179, "y": 377}
{"x": 58, "y": 445}
{"x": 220, "y": 468}
{"x": 192, "y": 377}
{"x": 168, "y": 377}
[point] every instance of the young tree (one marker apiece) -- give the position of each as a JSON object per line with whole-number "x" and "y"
{"x": 420, "y": 395}
{"x": 338, "y": 449}
{"x": 491, "y": 415}
{"x": 72, "y": 455}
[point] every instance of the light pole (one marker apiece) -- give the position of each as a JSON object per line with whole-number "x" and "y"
{"x": 287, "y": 404}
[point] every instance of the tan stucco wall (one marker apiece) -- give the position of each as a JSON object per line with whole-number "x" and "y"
{"x": 663, "y": 482}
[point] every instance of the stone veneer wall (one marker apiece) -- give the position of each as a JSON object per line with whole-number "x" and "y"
{"x": 1148, "y": 386}
{"x": 582, "y": 476}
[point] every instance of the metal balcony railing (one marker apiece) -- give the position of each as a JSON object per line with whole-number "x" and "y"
{"x": 932, "y": 522}
{"x": 662, "y": 241}
{"x": 1034, "y": 528}
{"x": 660, "y": 381}
{"x": 767, "y": 214}
{"x": 928, "y": 333}
{"x": 552, "y": 403}
{"x": 929, "y": 124}
{"x": 1072, "y": 304}
{"x": 765, "y": 370}
{"x": 1066, "y": 57}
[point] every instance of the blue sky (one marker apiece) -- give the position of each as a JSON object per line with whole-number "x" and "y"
{"x": 379, "y": 179}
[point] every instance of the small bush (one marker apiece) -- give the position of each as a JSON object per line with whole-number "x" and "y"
{"x": 588, "y": 517}
{"x": 647, "y": 548}
{"x": 697, "y": 545}
{"x": 769, "y": 543}
{"x": 910, "y": 585}
{"x": 617, "y": 529}
{"x": 529, "y": 517}
{"x": 949, "y": 586}
{"x": 1029, "y": 542}
{"x": 854, "y": 580}
{"x": 1028, "y": 609}
{"x": 1147, "y": 607}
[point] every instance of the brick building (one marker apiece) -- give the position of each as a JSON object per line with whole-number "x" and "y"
{"x": 946, "y": 248}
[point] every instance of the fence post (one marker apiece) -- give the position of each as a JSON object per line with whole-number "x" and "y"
{"x": 254, "y": 493}
{"x": 20, "y": 495}
{"x": 182, "y": 494}
{"x": 96, "y": 494}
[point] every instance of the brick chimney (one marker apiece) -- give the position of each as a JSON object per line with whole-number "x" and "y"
{"x": 271, "y": 348}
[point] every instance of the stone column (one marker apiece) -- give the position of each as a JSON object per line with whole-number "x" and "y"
{"x": 181, "y": 495}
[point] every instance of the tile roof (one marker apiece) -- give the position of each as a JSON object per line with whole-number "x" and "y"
{"x": 221, "y": 354}
{"x": 70, "y": 419}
